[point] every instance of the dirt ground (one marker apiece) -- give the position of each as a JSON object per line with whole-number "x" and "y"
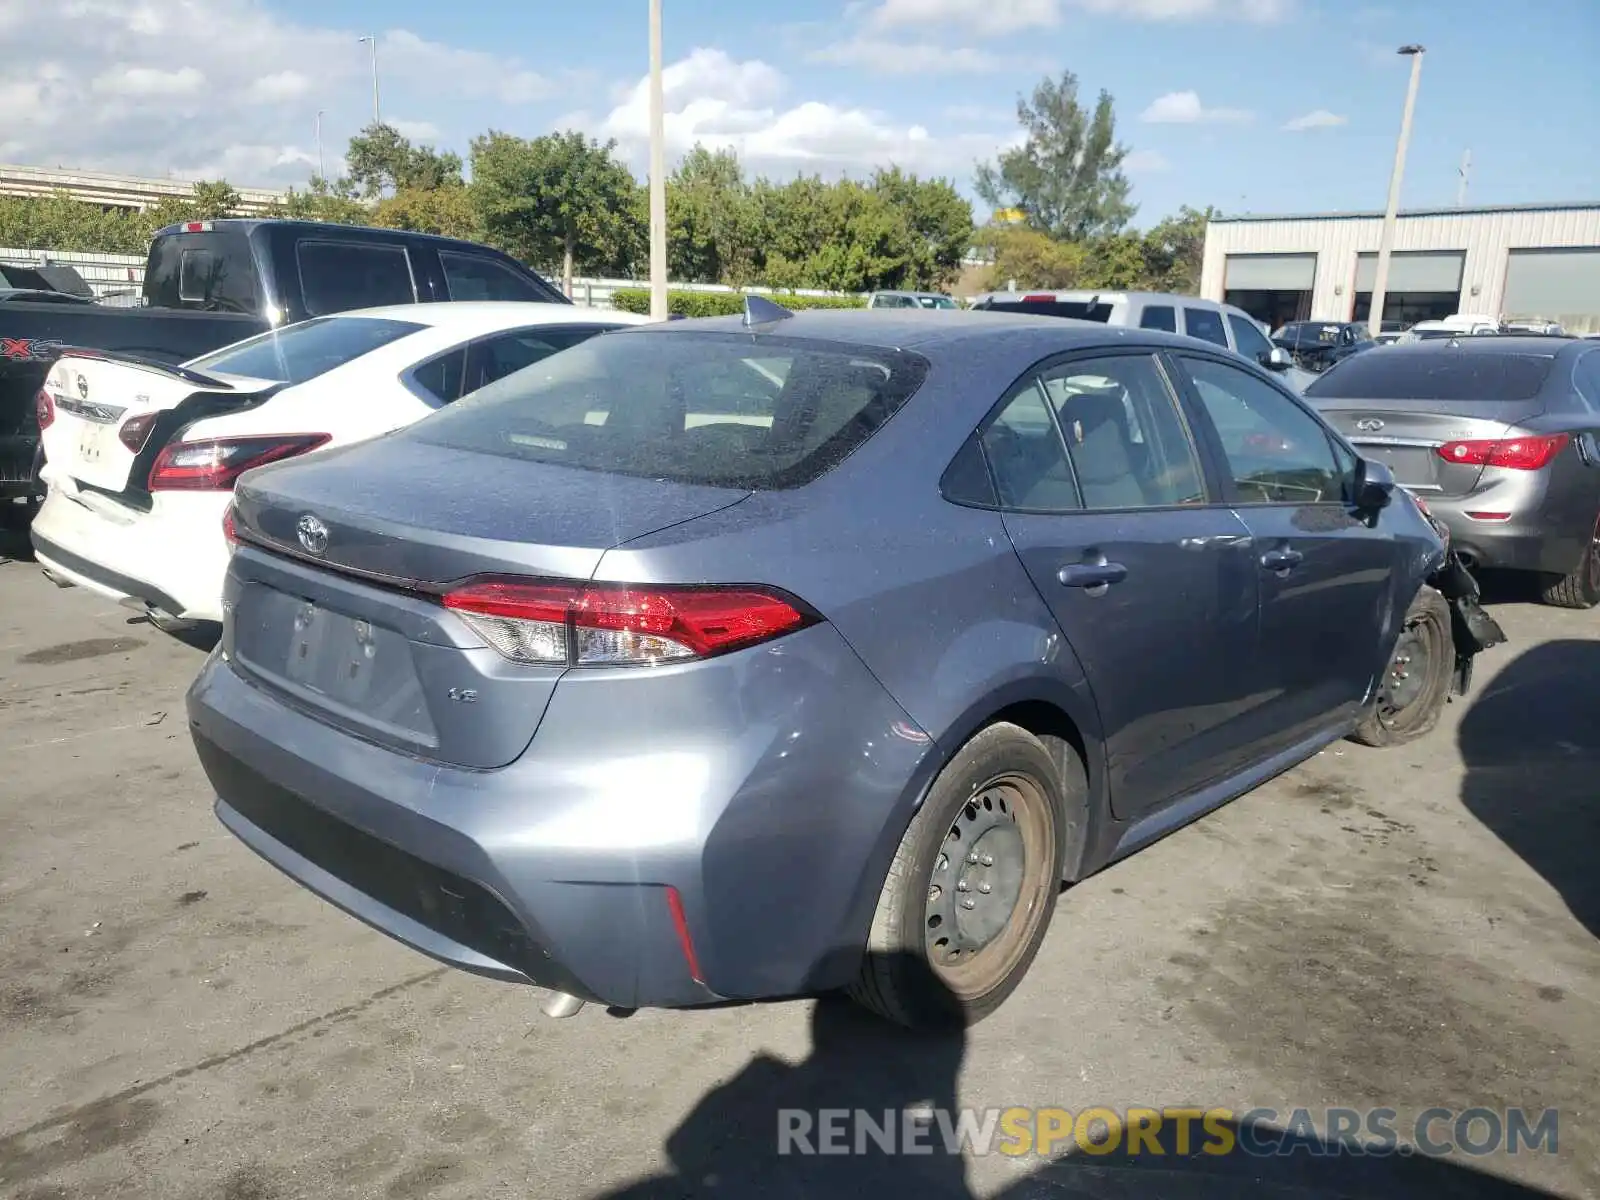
{"x": 1406, "y": 929}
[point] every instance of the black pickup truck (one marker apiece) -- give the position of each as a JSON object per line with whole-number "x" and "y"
{"x": 210, "y": 283}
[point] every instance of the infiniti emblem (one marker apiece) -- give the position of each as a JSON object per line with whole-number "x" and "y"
{"x": 1369, "y": 424}
{"x": 313, "y": 534}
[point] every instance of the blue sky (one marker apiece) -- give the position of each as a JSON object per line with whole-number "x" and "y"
{"x": 1206, "y": 90}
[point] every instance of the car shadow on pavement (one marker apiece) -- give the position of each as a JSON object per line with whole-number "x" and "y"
{"x": 730, "y": 1145}
{"x": 1530, "y": 743}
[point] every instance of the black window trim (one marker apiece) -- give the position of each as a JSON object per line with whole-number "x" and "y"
{"x": 1218, "y": 453}
{"x": 354, "y": 244}
{"x": 1211, "y": 478}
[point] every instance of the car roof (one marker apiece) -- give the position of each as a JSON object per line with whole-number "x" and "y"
{"x": 1535, "y": 345}
{"x": 1104, "y": 296}
{"x": 926, "y": 330}
{"x": 491, "y": 315}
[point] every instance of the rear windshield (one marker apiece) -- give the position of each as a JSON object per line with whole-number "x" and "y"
{"x": 1398, "y": 374}
{"x": 724, "y": 410}
{"x": 1078, "y": 310}
{"x": 304, "y": 351}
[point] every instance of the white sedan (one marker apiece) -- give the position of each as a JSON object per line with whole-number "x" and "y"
{"x": 141, "y": 457}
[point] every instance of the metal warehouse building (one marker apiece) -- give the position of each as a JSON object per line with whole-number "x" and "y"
{"x": 1519, "y": 261}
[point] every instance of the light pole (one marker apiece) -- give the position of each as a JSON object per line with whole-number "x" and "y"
{"x": 658, "y": 173}
{"x": 1380, "y": 276}
{"x": 372, "y": 40}
{"x": 321, "y": 170}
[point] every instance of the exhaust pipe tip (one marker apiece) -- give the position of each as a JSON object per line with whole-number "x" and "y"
{"x": 560, "y": 1005}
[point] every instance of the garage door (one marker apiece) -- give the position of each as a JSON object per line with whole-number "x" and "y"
{"x": 1414, "y": 271}
{"x": 1554, "y": 285}
{"x": 1271, "y": 272}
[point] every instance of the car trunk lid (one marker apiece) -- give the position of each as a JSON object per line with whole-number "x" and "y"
{"x": 1407, "y": 435}
{"x": 109, "y": 409}
{"x": 334, "y": 598}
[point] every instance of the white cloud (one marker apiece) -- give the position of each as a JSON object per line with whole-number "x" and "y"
{"x": 1184, "y": 108}
{"x": 997, "y": 18}
{"x": 915, "y": 58}
{"x": 1145, "y": 162}
{"x": 993, "y": 17}
{"x": 742, "y": 105}
{"x": 123, "y": 80}
{"x": 417, "y": 131}
{"x": 278, "y": 87}
{"x": 195, "y": 87}
{"x": 1320, "y": 119}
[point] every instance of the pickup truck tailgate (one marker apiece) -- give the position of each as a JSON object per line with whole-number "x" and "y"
{"x": 105, "y": 411}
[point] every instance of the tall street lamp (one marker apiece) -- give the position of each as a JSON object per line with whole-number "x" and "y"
{"x": 658, "y": 173}
{"x": 321, "y": 170}
{"x": 1380, "y": 276}
{"x": 372, "y": 40}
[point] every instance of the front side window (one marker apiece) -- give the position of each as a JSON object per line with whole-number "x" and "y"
{"x": 301, "y": 352}
{"x": 1205, "y": 324}
{"x": 1249, "y": 340}
{"x": 1277, "y": 453}
{"x": 339, "y": 276}
{"x": 722, "y": 410}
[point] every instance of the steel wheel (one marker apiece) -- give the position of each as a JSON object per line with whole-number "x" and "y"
{"x": 989, "y": 885}
{"x": 1415, "y": 684}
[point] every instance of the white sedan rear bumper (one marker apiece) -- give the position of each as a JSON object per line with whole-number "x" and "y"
{"x": 172, "y": 558}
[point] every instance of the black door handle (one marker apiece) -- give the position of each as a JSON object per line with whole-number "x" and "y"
{"x": 1092, "y": 575}
{"x": 1281, "y": 560}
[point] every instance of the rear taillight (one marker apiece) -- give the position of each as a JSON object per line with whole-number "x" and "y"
{"x": 135, "y": 431}
{"x": 44, "y": 409}
{"x": 1518, "y": 454}
{"x": 614, "y": 624}
{"x": 212, "y": 464}
{"x": 230, "y": 532}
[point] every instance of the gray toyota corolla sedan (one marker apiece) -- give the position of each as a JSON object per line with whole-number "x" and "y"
{"x": 755, "y": 657}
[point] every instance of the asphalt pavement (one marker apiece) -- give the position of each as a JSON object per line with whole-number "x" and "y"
{"x": 1403, "y": 929}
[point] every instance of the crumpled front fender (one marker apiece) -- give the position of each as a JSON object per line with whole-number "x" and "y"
{"x": 1472, "y": 629}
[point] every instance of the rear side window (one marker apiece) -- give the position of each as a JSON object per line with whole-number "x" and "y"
{"x": 724, "y": 410}
{"x": 440, "y": 378}
{"x": 338, "y": 276}
{"x": 304, "y": 351}
{"x": 1588, "y": 378}
{"x": 1432, "y": 373}
{"x": 1160, "y": 316}
{"x": 496, "y": 357}
{"x": 471, "y": 277}
{"x": 211, "y": 272}
{"x": 1205, "y": 324}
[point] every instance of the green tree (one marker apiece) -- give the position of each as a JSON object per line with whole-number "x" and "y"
{"x": 1173, "y": 251}
{"x": 381, "y": 161}
{"x": 1067, "y": 176}
{"x": 448, "y": 211}
{"x": 1031, "y": 259}
{"x": 562, "y": 198}
{"x": 940, "y": 220}
{"x": 334, "y": 202}
{"x": 1115, "y": 262}
{"x": 713, "y": 220}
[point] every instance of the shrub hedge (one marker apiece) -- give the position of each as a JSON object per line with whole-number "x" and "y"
{"x": 723, "y": 304}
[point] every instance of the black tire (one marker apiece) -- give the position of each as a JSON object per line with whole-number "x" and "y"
{"x": 1416, "y": 681}
{"x": 1002, "y": 790}
{"x": 1580, "y": 588}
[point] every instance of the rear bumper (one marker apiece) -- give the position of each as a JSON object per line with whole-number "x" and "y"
{"x": 560, "y": 869}
{"x": 173, "y": 560}
{"x": 1524, "y": 542}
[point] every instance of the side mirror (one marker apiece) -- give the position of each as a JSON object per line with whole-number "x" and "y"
{"x": 1374, "y": 485}
{"x": 1277, "y": 359}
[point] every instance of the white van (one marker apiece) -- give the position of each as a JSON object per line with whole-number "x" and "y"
{"x": 1221, "y": 324}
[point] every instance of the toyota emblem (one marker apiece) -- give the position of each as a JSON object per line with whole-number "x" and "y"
{"x": 313, "y": 534}
{"x": 1369, "y": 424}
